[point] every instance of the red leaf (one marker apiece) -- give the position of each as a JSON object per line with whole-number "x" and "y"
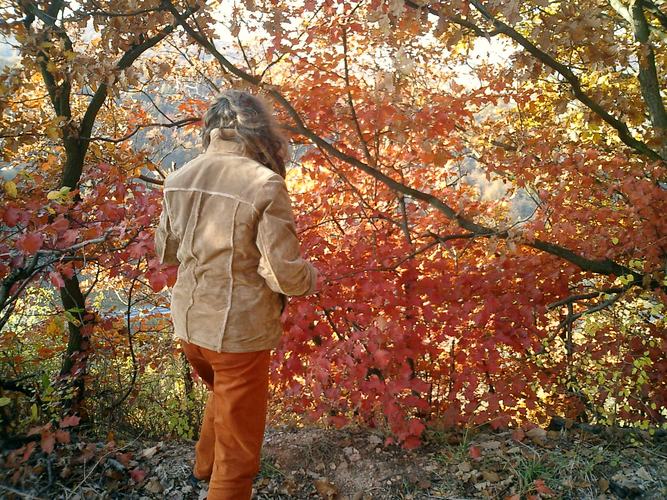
{"x": 338, "y": 421}
{"x": 30, "y": 243}
{"x": 66, "y": 270}
{"x": 56, "y": 279}
{"x": 48, "y": 441}
{"x": 11, "y": 216}
{"x": 411, "y": 442}
{"x": 382, "y": 358}
{"x": 29, "y": 449}
{"x": 71, "y": 421}
{"x": 475, "y": 453}
{"x": 157, "y": 280}
{"x": 68, "y": 238}
{"x": 416, "y": 427}
{"x": 137, "y": 475}
{"x": 60, "y": 224}
{"x": 138, "y": 249}
{"x": 542, "y": 488}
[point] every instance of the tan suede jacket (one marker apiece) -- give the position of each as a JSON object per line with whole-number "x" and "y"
{"x": 227, "y": 221}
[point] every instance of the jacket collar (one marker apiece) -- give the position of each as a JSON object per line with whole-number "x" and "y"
{"x": 220, "y": 145}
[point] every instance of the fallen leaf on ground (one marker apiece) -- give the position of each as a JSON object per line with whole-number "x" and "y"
{"x": 518, "y": 435}
{"x": 537, "y": 435}
{"x": 137, "y": 475}
{"x": 475, "y": 453}
{"x": 326, "y": 489}
{"x": 542, "y": 488}
{"x": 603, "y": 484}
{"x": 490, "y": 476}
{"x": 149, "y": 452}
{"x": 154, "y": 486}
{"x": 465, "y": 467}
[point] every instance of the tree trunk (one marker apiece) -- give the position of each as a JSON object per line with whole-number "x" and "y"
{"x": 76, "y": 356}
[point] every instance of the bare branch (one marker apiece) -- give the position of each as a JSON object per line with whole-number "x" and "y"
{"x": 571, "y": 318}
{"x": 586, "y": 296}
{"x": 151, "y": 180}
{"x": 137, "y": 128}
{"x": 364, "y": 147}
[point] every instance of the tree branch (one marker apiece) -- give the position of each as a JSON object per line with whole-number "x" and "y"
{"x": 125, "y": 62}
{"x": 208, "y": 45}
{"x": 585, "y": 296}
{"x": 648, "y": 75}
{"x": 655, "y": 10}
{"x": 573, "y": 80}
{"x": 137, "y": 128}
{"x": 151, "y": 180}
{"x": 364, "y": 147}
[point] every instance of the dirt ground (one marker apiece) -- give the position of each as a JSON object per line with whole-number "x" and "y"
{"x": 317, "y": 463}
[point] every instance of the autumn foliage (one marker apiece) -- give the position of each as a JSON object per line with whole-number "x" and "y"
{"x": 481, "y": 184}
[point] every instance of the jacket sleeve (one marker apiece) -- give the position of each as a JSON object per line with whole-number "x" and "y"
{"x": 166, "y": 242}
{"x": 281, "y": 264}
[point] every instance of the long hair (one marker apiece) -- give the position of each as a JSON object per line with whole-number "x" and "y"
{"x": 247, "y": 119}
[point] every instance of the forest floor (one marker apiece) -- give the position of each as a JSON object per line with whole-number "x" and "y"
{"x": 354, "y": 464}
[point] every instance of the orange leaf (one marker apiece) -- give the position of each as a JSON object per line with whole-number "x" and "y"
{"x": 542, "y": 488}
{"x": 518, "y": 435}
{"x": 30, "y": 243}
{"x": 62, "y": 436}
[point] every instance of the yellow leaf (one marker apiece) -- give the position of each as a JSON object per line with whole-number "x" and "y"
{"x": 53, "y": 195}
{"x": 51, "y": 67}
{"x": 53, "y": 327}
{"x": 10, "y": 189}
{"x": 52, "y": 132}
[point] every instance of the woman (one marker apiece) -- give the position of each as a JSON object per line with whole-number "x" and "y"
{"x": 227, "y": 222}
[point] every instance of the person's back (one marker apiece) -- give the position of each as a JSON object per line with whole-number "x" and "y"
{"x": 215, "y": 204}
{"x": 227, "y": 222}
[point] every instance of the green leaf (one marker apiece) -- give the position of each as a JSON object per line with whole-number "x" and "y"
{"x": 4, "y": 401}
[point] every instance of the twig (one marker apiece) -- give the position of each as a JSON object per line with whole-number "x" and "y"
{"x": 172, "y": 124}
{"x": 101, "y": 459}
{"x": 20, "y": 493}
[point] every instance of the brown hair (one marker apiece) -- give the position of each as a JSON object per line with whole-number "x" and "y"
{"x": 247, "y": 119}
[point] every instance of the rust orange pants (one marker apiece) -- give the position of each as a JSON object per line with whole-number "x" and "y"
{"x": 232, "y": 431}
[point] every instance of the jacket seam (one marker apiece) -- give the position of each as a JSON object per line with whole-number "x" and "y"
{"x": 170, "y": 230}
{"x": 231, "y": 275}
{"x": 196, "y": 267}
{"x": 270, "y": 179}
{"x": 214, "y": 193}
{"x": 265, "y": 254}
{"x": 166, "y": 206}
